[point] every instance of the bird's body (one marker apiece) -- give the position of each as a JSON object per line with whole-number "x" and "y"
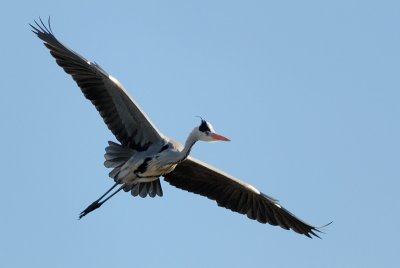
{"x": 137, "y": 170}
{"x": 147, "y": 165}
{"x": 144, "y": 154}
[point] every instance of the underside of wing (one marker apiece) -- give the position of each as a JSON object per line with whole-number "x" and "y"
{"x": 130, "y": 125}
{"x": 194, "y": 176}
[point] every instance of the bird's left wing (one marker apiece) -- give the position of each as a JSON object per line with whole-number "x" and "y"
{"x": 197, "y": 177}
{"x": 126, "y": 120}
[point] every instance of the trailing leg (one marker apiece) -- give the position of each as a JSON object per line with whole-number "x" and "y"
{"x": 96, "y": 204}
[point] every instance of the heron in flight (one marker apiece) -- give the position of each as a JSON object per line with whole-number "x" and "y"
{"x": 144, "y": 154}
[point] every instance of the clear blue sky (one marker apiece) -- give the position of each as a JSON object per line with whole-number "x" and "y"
{"x": 308, "y": 92}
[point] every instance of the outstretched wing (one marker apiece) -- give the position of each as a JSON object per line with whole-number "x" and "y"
{"x": 194, "y": 176}
{"x": 123, "y": 116}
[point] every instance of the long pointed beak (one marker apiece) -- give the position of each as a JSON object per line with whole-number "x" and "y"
{"x": 219, "y": 137}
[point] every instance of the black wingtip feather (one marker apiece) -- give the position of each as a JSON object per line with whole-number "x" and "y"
{"x": 48, "y": 22}
{"x": 318, "y": 229}
{"x": 42, "y": 30}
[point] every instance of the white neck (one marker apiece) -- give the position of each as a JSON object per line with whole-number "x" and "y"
{"x": 190, "y": 141}
{"x": 179, "y": 156}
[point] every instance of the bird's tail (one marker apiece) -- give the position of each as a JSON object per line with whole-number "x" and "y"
{"x": 116, "y": 156}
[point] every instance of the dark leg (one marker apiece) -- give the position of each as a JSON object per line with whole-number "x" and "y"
{"x": 96, "y": 204}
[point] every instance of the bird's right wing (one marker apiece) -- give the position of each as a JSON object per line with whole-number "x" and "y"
{"x": 197, "y": 177}
{"x": 130, "y": 125}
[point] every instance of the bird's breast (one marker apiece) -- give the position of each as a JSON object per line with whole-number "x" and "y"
{"x": 157, "y": 167}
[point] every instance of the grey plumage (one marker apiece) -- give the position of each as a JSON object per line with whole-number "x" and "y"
{"x": 144, "y": 154}
{"x": 116, "y": 156}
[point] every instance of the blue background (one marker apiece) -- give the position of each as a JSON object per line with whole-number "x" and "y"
{"x": 308, "y": 92}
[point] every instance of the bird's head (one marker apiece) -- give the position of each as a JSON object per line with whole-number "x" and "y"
{"x": 206, "y": 132}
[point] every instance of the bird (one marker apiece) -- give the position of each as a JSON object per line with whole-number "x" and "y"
{"x": 143, "y": 154}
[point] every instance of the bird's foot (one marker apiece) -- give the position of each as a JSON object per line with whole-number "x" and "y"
{"x": 95, "y": 205}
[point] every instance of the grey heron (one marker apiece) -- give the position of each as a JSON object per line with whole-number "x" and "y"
{"x": 144, "y": 154}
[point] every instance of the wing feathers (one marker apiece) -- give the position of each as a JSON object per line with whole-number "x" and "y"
{"x": 123, "y": 116}
{"x": 197, "y": 177}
